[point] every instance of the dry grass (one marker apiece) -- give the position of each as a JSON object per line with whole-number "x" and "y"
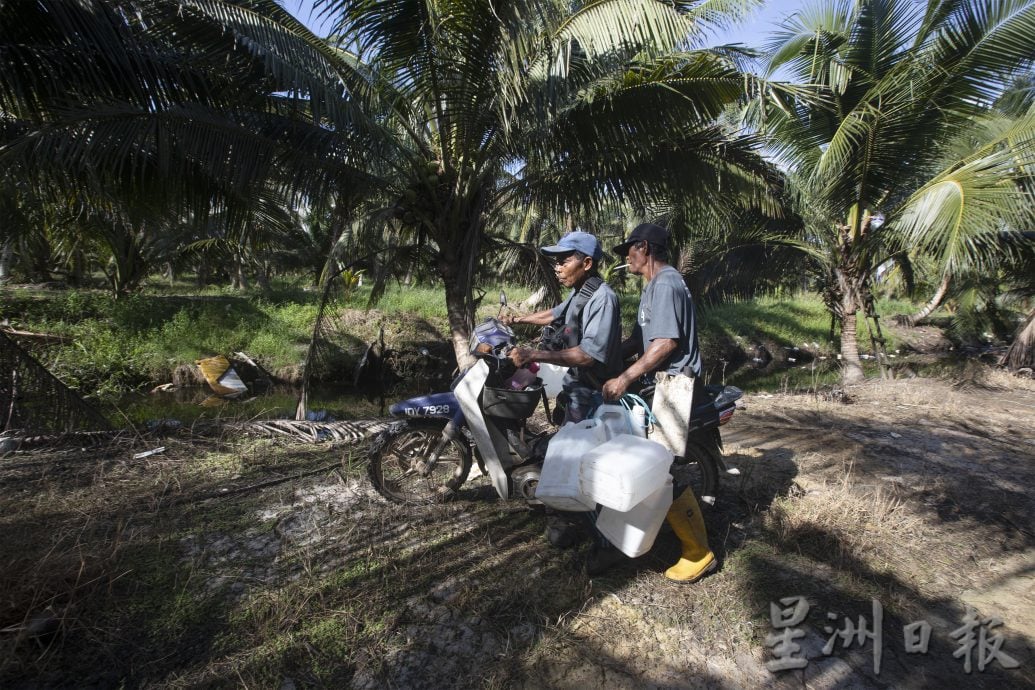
{"x": 232, "y": 561}
{"x": 1007, "y": 381}
{"x": 863, "y": 524}
{"x": 864, "y": 534}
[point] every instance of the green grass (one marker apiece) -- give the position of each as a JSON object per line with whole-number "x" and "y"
{"x": 798, "y": 321}
{"x": 135, "y": 343}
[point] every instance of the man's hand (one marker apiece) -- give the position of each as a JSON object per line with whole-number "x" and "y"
{"x": 616, "y": 387}
{"x": 520, "y": 356}
{"x": 508, "y": 320}
{"x": 657, "y": 351}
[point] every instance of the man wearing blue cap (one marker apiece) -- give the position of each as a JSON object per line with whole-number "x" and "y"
{"x": 587, "y": 334}
{"x": 586, "y": 337}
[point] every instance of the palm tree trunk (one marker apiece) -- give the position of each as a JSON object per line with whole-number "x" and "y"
{"x": 457, "y": 264}
{"x": 460, "y": 319}
{"x": 932, "y": 304}
{"x": 6, "y": 260}
{"x": 262, "y": 277}
{"x": 853, "y": 371}
{"x": 202, "y": 276}
{"x": 78, "y": 271}
{"x": 849, "y": 298}
{"x": 534, "y": 300}
{"x": 1021, "y": 354}
{"x": 240, "y": 277}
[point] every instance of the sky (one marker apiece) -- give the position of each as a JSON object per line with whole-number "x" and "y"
{"x": 751, "y": 32}
{"x": 755, "y": 30}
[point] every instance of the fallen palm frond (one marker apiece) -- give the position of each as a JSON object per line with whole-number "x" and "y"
{"x": 300, "y": 431}
{"x": 48, "y": 337}
{"x": 316, "y": 432}
{"x": 11, "y": 440}
{"x": 32, "y": 398}
{"x": 1021, "y": 354}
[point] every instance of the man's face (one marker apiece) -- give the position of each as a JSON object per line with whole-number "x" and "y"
{"x": 637, "y": 258}
{"x": 570, "y": 270}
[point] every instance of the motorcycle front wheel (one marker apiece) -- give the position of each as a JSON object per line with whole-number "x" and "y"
{"x": 699, "y": 469}
{"x": 398, "y": 463}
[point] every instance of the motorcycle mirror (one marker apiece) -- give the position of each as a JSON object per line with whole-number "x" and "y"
{"x": 503, "y": 303}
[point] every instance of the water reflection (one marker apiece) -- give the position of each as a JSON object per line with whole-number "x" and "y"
{"x": 188, "y": 404}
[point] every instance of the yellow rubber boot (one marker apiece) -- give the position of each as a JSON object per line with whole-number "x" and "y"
{"x": 688, "y": 524}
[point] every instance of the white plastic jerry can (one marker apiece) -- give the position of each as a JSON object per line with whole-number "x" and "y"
{"x": 553, "y": 377}
{"x": 633, "y": 532}
{"x": 619, "y": 420}
{"x": 624, "y": 471}
{"x": 559, "y": 485}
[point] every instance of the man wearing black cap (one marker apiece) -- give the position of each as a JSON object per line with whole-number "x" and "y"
{"x": 589, "y": 325}
{"x": 665, "y": 337}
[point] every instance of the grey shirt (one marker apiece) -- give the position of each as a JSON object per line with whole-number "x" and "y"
{"x": 601, "y": 335}
{"x": 667, "y": 311}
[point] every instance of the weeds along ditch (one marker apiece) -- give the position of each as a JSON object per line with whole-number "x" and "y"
{"x": 107, "y": 349}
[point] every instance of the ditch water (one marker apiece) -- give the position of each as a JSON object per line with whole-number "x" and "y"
{"x": 194, "y": 403}
{"x": 190, "y": 404}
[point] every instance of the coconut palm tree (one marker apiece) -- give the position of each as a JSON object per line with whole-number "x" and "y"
{"x": 446, "y": 113}
{"x": 873, "y": 139}
{"x": 171, "y": 115}
{"x": 568, "y": 107}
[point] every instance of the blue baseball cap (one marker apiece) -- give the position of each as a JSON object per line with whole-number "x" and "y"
{"x": 577, "y": 241}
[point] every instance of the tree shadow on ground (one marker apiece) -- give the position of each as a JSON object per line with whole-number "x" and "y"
{"x": 321, "y": 582}
{"x": 956, "y": 470}
{"x": 972, "y": 487}
{"x": 840, "y": 589}
{"x": 176, "y": 584}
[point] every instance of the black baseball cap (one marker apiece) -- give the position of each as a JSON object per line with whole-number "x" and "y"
{"x": 655, "y": 234}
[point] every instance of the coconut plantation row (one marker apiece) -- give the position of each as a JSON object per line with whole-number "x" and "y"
{"x": 858, "y": 151}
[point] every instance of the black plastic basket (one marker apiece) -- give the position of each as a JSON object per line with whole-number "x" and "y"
{"x": 511, "y": 404}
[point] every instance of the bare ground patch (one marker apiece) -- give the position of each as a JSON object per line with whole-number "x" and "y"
{"x": 246, "y": 561}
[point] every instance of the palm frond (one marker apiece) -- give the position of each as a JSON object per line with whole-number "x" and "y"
{"x": 959, "y": 214}
{"x": 978, "y": 42}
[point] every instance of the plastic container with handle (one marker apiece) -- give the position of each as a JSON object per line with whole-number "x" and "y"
{"x": 623, "y": 471}
{"x": 559, "y": 485}
{"x": 633, "y": 532}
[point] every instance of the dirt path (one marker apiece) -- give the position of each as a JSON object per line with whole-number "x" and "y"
{"x": 191, "y": 568}
{"x": 948, "y": 471}
{"x": 914, "y": 494}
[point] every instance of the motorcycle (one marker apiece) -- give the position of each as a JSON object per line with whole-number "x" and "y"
{"x": 427, "y": 455}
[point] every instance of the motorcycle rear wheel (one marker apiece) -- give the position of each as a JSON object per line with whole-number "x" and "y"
{"x": 699, "y": 469}
{"x": 395, "y": 460}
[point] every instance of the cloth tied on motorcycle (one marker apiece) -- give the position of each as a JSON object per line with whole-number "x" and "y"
{"x": 673, "y": 401}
